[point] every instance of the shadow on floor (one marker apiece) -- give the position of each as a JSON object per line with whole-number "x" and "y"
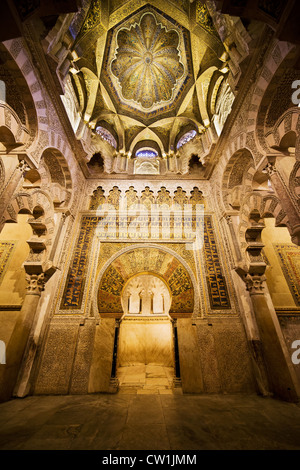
{"x": 149, "y": 422}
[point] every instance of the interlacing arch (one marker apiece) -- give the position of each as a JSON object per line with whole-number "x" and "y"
{"x": 54, "y": 168}
{"x": 294, "y": 182}
{"x": 237, "y": 178}
{"x": 13, "y": 123}
{"x": 288, "y": 122}
{"x": 22, "y": 103}
{"x": 28, "y": 203}
{"x": 264, "y": 206}
{"x": 280, "y": 57}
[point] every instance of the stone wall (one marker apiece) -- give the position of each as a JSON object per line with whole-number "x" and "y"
{"x": 225, "y": 357}
{"x": 76, "y": 357}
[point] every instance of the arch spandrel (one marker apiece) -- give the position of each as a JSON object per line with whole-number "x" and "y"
{"x": 157, "y": 261}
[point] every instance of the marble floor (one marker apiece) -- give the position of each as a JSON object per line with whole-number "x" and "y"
{"x": 147, "y": 379}
{"x": 149, "y": 422}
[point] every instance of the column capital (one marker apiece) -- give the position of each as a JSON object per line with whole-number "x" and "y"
{"x": 35, "y": 283}
{"x": 255, "y": 283}
{"x": 23, "y": 166}
{"x": 270, "y": 169}
{"x": 65, "y": 215}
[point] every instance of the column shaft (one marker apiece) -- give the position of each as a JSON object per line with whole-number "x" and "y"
{"x": 281, "y": 375}
{"x": 19, "y": 338}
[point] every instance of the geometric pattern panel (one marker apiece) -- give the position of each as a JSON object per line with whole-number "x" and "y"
{"x": 217, "y": 288}
{"x": 6, "y": 249}
{"x": 289, "y": 257}
{"x": 74, "y": 288}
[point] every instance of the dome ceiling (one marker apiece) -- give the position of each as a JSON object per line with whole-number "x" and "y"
{"x": 147, "y": 63}
{"x": 145, "y": 71}
{"x": 147, "y": 66}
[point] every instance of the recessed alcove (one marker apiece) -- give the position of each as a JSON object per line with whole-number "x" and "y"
{"x": 145, "y": 348}
{"x": 146, "y": 294}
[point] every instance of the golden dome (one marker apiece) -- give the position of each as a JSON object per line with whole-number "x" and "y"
{"x": 147, "y": 62}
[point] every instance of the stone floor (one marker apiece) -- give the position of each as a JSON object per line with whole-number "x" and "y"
{"x": 147, "y": 379}
{"x": 149, "y": 422}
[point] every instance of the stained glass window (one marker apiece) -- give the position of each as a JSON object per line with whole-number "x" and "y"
{"x": 146, "y": 153}
{"x": 186, "y": 138}
{"x": 107, "y": 136}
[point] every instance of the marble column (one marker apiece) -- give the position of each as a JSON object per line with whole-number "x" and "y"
{"x": 62, "y": 220}
{"x": 281, "y": 375}
{"x": 286, "y": 201}
{"x": 237, "y": 250}
{"x": 128, "y": 162}
{"x": 17, "y": 346}
{"x": 253, "y": 337}
{"x": 35, "y": 286}
{"x": 146, "y": 302}
{"x": 171, "y": 166}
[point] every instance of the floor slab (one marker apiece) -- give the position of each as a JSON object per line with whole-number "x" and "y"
{"x": 149, "y": 422}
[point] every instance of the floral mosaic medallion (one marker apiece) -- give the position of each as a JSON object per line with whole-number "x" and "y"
{"x": 147, "y": 63}
{"x": 147, "y": 68}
